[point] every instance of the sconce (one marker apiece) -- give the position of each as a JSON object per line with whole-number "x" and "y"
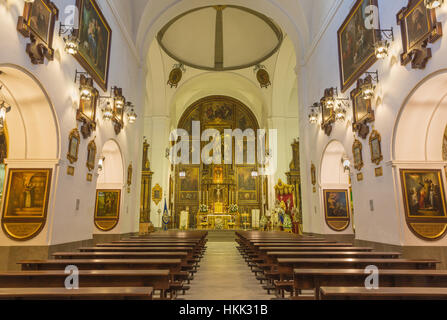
{"x": 340, "y": 112}
{"x": 382, "y": 46}
{"x": 182, "y": 174}
{"x": 107, "y": 111}
{"x": 368, "y": 86}
{"x": 131, "y": 115}
{"x": 167, "y": 153}
{"x": 4, "y": 109}
{"x": 118, "y": 98}
{"x": 433, "y": 4}
{"x": 86, "y": 88}
{"x": 314, "y": 113}
{"x": 101, "y": 163}
{"x": 333, "y": 101}
{"x": 71, "y": 41}
{"x": 254, "y": 174}
{"x": 346, "y": 163}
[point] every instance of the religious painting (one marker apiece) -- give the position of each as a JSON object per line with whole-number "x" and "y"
{"x": 336, "y": 208}
{"x": 358, "y": 154}
{"x": 423, "y": 193}
{"x": 191, "y": 180}
{"x": 419, "y": 27}
{"x": 39, "y": 20}
{"x": 26, "y": 199}
{"x": 336, "y": 203}
{"x": 107, "y": 209}
{"x": 95, "y": 37}
{"x": 424, "y": 202}
{"x": 245, "y": 180}
{"x": 375, "y": 144}
{"x": 73, "y": 146}
{"x": 107, "y": 203}
{"x": 362, "y": 108}
{"x": 356, "y": 44}
{"x": 157, "y": 194}
{"x": 327, "y": 113}
{"x": 218, "y": 112}
{"x": 91, "y": 155}
{"x": 37, "y": 23}
{"x": 27, "y": 193}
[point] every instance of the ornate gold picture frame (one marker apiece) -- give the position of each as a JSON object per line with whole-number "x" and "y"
{"x": 424, "y": 202}
{"x": 107, "y": 209}
{"x": 91, "y": 155}
{"x": 313, "y": 174}
{"x": 419, "y": 27}
{"x": 37, "y": 23}
{"x": 357, "y": 151}
{"x": 26, "y": 202}
{"x": 375, "y": 144}
{"x": 157, "y": 194}
{"x": 86, "y": 113}
{"x": 74, "y": 139}
{"x": 327, "y": 114}
{"x": 336, "y": 209}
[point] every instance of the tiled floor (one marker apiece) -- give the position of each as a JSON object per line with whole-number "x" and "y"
{"x": 224, "y": 275}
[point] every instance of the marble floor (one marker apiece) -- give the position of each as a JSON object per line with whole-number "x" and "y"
{"x": 224, "y": 275}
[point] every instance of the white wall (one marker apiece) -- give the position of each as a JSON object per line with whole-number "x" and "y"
{"x": 386, "y": 223}
{"x": 64, "y": 223}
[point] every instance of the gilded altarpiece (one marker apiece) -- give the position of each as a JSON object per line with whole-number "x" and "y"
{"x": 218, "y": 186}
{"x": 294, "y": 179}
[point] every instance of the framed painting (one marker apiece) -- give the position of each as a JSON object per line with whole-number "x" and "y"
{"x": 26, "y": 202}
{"x": 424, "y": 202}
{"x": 313, "y": 174}
{"x": 107, "y": 209}
{"x": 95, "y": 36}
{"x": 245, "y": 180}
{"x": 190, "y": 182}
{"x": 375, "y": 144}
{"x": 157, "y": 194}
{"x": 419, "y": 27}
{"x": 91, "y": 155}
{"x": 336, "y": 208}
{"x": 361, "y": 109}
{"x": 37, "y": 23}
{"x": 356, "y": 44}
{"x": 74, "y": 140}
{"x": 357, "y": 151}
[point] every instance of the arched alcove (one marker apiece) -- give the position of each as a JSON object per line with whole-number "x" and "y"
{"x": 33, "y": 154}
{"x": 417, "y": 147}
{"x": 109, "y": 187}
{"x": 335, "y": 187}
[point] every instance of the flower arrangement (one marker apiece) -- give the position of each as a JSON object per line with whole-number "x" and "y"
{"x": 203, "y": 208}
{"x": 233, "y": 208}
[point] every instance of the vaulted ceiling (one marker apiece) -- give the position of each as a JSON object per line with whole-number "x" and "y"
{"x": 142, "y": 19}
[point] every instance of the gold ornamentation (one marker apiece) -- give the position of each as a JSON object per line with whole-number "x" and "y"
{"x": 357, "y": 151}
{"x": 157, "y": 194}
{"x": 375, "y": 144}
{"x": 91, "y": 155}
{"x": 74, "y": 140}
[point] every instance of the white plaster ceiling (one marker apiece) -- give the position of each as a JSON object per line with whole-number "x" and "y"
{"x": 240, "y": 38}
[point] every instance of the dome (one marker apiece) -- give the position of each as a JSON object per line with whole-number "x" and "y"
{"x": 220, "y": 38}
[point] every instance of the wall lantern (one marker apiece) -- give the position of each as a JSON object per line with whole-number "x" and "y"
{"x": 86, "y": 88}
{"x": 101, "y": 163}
{"x": 254, "y": 174}
{"x": 368, "y": 88}
{"x": 433, "y": 4}
{"x": 107, "y": 111}
{"x": 340, "y": 112}
{"x": 314, "y": 113}
{"x": 382, "y": 46}
{"x": 71, "y": 41}
{"x": 131, "y": 115}
{"x": 346, "y": 163}
{"x": 182, "y": 174}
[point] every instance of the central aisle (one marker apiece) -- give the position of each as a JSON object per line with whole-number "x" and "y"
{"x": 224, "y": 275}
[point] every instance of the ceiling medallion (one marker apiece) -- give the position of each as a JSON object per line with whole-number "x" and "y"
{"x": 176, "y": 75}
{"x": 263, "y": 76}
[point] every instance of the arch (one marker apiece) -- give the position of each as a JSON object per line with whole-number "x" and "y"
{"x": 420, "y": 124}
{"x": 335, "y": 187}
{"x": 32, "y": 121}
{"x": 109, "y": 187}
{"x": 217, "y": 83}
{"x": 416, "y": 146}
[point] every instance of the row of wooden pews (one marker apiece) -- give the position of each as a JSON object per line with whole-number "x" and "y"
{"x": 157, "y": 266}
{"x": 329, "y": 270}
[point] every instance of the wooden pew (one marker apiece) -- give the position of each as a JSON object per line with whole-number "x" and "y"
{"x": 285, "y": 267}
{"x": 121, "y": 255}
{"x": 383, "y": 293}
{"x": 313, "y": 279}
{"x": 157, "y": 279}
{"x": 118, "y": 293}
